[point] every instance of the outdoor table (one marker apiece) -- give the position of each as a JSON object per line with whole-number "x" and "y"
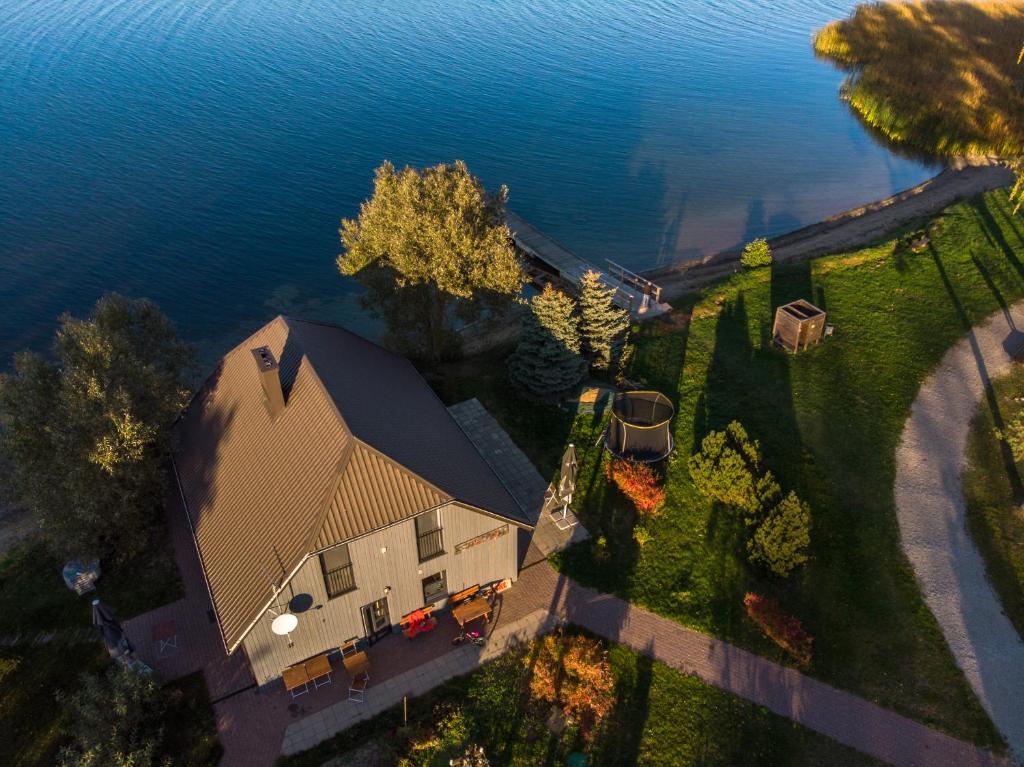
{"x": 471, "y": 610}
{"x": 318, "y": 668}
{"x": 357, "y": 664}
{"x": 295, "y": 677}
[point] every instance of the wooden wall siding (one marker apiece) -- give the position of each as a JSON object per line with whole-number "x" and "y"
{"x": 329, "y": 622}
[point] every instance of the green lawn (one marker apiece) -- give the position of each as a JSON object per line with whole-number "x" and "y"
{"x": 660, "y": 717}
{"x": 828, "y": 420}
{"x": 993, "y": 491}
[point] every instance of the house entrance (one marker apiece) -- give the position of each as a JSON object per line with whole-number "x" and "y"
{"x": 376, "y": 620}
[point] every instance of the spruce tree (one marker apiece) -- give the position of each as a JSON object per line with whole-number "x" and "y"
{"x": 603, "y": 325}
{"x": 547, "y": 361}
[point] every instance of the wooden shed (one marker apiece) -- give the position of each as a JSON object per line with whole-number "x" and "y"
{"x": 798, "y": 325}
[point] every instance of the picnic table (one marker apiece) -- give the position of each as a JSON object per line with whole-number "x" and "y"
{"x": 478, "y": 607}
{"x": 301, "y": 674}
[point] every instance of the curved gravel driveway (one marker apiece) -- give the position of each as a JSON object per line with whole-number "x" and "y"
{"x": 931, "y": 510}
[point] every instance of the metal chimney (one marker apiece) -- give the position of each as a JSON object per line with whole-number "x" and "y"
{"x": 270, "y": 377}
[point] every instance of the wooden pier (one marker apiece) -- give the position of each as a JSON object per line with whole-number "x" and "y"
{"x": 550, "y": 262}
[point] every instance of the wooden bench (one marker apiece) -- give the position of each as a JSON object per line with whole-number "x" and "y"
{"x": 465, "y": 595}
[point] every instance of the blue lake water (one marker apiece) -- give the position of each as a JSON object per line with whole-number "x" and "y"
{"x": 201, "y": 153}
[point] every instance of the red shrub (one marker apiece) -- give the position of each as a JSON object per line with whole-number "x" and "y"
{"x": 639, "y": 483}
{"x": 574, "y": 672}
{"x": 782, "y": 628}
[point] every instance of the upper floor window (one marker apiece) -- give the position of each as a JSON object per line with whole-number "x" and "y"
{"x": 429, "y": 540}
{"x": 337, "y": 567}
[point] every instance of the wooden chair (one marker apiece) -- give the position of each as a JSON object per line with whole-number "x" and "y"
{"x": 357, "y": 688}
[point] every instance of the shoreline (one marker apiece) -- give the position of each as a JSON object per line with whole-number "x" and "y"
{"x": 849, "y": 230}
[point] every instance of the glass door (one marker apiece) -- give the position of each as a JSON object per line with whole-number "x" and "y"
{"x": 376, "y": 620}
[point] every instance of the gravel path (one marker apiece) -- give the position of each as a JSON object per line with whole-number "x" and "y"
{"x": 931, "y": 510}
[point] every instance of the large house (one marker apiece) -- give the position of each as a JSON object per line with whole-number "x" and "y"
{"x": 320, "y": 471}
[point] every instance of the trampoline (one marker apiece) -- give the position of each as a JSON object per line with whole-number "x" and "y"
{"x": 639, "y": 429}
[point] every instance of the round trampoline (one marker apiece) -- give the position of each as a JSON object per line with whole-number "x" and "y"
{"x": 639, "y": 429}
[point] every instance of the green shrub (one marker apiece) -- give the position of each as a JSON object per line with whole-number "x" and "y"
{"x": 114, "y": 720}
{"x": 756, "y": 253}
{"x": 727, "y": 469}
{"x": 782, "y": 537}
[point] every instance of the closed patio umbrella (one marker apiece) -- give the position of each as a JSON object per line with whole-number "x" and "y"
{"x": 567, "y": 478}
{"x": 116, "y": 641}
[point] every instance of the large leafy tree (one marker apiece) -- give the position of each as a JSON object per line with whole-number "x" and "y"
{"x": 547, "y": 361}
{"x": 86, "y": 433}
{"x": 603, "y": 325}
{"x": 431, "y": 246}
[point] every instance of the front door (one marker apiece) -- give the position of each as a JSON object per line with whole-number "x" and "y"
{"x": 376, "y": 620}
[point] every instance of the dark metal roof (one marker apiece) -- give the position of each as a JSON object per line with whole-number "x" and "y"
{"x": 362, "y": 443}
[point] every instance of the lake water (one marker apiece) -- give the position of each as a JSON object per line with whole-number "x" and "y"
{"x": 201, "y": 153}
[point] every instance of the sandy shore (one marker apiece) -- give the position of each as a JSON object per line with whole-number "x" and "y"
{"x": 850, "y": 230}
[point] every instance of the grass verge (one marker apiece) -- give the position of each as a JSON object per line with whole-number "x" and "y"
{"x": 992, "y": 489}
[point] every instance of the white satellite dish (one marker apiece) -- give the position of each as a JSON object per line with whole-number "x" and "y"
{"x": 284, "y": 624}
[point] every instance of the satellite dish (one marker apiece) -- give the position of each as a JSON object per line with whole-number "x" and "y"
{"x": 284, "y": 623}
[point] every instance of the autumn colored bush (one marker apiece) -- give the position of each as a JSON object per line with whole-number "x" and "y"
{"x": 639, "y": 483}
{"x": 779, "y": 626}
{"x": 575, "y": 674}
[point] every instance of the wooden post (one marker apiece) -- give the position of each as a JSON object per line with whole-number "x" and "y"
{"x": 405, "y": 709}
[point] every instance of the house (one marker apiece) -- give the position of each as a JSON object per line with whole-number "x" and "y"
{"x": 322, "y": 475}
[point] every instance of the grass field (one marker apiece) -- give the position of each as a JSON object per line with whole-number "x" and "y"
{"x": 828, "y": 420}
{"x": 992, "y": 489}
{"x": 660, "y": 717}
{"x": 939, "y": 76}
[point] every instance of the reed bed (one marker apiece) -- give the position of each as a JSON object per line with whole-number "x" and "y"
{"x": 942, "y": 76}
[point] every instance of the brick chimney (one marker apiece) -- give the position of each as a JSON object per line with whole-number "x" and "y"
{"x": 270, "y": 377}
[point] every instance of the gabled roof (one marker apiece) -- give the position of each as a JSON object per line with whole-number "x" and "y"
{"x": 362, "y": 443}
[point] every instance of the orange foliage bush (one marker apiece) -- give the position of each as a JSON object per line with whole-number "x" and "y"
{"x": 639, "y": 483}
{"x": 782, "y": 628}
{"x": 575, "y": 674}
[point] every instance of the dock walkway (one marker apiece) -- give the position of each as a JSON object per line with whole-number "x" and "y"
{"x": 630, "y": 289}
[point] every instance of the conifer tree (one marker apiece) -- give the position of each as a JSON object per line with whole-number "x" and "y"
{"x": 603, "y": 325}
{"x": 547, "y": 360}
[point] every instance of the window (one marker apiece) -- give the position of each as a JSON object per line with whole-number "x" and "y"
{"x": 337, "y": 567}
{"x": 435, "y": 588}
{"x": 429, "y": 542}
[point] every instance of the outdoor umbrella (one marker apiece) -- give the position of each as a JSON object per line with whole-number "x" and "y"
{"x": 106, "y": 623}
{"x": 567, "y": 479}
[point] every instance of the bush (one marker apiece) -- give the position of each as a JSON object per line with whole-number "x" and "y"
{"x": 782, "y": 628}
{"x": 726, "y": 470}
{"x": 756, "y": 253}
{"x": 641, "y": 535}
{"x": 574, "y": 673}
{"x": 781, "y": 539}
{"x": 639, "y": 483}
{"x": 1013, "y": 435}
{"x": 114, "y": 720}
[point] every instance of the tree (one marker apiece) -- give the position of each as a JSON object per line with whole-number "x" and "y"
{"x": 86, "y": 435}
{"x": 603, "y": 325}
{"x": 547, "y": 361}
{"x": 756, "y": 253}
{"x": 114, "y": 720}
{"x": 727, "y": 469}
{"x": 781, "y": 539}
{"x": 431, "y": 246}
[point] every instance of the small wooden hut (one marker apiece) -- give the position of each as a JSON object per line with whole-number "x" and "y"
{"x": 798, "y": 325}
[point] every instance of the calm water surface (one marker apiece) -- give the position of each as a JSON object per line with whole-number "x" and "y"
{"x": 201, "y": 153}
